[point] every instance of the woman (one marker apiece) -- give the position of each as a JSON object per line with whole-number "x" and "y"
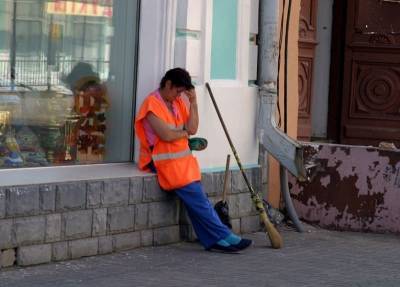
{"x": 163, "y": 126}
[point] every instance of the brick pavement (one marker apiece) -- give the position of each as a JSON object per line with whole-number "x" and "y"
{"x": 315, "y": 258}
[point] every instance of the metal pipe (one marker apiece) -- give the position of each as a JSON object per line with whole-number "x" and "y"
{"x": 287, "y": 151}
{"x": 268, "y": 43}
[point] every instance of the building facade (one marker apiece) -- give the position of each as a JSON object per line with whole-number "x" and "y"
{"x": 72, "y": 75}
{"x": 349, "y": 96}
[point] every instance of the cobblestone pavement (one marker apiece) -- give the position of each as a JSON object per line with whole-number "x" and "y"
{"x": 315, "y": 258}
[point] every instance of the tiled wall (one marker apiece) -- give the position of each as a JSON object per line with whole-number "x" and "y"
{"x": 61, "y": 221}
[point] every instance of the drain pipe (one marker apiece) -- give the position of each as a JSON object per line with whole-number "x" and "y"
{"x": 287, "y": 151}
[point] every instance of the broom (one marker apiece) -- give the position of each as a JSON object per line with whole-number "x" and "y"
{"x": 273, "y": 234}
{"x": 222, "y": 207}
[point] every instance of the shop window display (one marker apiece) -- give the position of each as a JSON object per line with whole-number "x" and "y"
{"x": 55, "y": 90}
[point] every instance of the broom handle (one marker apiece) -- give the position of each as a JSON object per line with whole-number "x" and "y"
{"x": 274, "y": 236}
{"x": 229, "y": 139}
{"x": 228, "y": 159}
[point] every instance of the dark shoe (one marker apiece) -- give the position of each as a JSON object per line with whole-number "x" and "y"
{"x": 243, "y": 244}
{"x": 224, "y": 249}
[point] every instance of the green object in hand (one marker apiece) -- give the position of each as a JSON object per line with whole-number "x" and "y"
{"x": 197, "y": 143}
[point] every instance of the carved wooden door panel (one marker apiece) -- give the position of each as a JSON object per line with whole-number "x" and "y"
{"x": 307, "y": 44}
{"x": 371, "y": 83}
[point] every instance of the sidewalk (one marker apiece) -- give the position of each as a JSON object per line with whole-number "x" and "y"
{"x": 315, "y": 258}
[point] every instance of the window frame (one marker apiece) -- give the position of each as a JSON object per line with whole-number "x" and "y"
{"x": 242, "y": 48}
{"x": 64, "y": 173}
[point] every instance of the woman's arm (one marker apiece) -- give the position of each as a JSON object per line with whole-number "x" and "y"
{"x": 193, "y": 122}
{"x": 164, "y": 132}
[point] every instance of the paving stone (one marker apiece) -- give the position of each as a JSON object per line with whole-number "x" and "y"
{"x": 166, "y": 235}
{"x": 7, "y": 258}
{"x": 121, "y": 219}
{"x": 2, "y": 203}
{"x": 183, "y": 215}
{"x": 146, "y": 238}
{"x": 141, "y": 216}
{"x": 105, "y": 244}
{"x": 126, "y": 241}
{"x": 163, "y": 213}
{"x": 59, "y": 251}
{"x": 47, "y": 198}
{"x": 77, "y": 224}
{"x": 94, "y": 191}
{"x": 6, "y": 234}
{"x": 311, "y": 259}
{"x": 152, "y": 191}
{"x": 71, "y": 196}
{"x": 99, "y": 222}
{"x": 238, "y": 183}
{"x": 187, "y": 232}
{"x": 213, "y": 183}
{"x": 34, "y": 254}
{"x": 256, "y": 179}
{"x": 245, "y": 205}
{"x": 30, "y": 230}
{"x": 235, "y": 225}
{"x": 23, "y": 201}
{"x": 136, "y": 190}
{"x": 116, "y": 192}
{"x": 234, "y": 205}
{"x": 83, "y": 247}
{"x": 53, "y": 227}
{"x": 250, "y": 224}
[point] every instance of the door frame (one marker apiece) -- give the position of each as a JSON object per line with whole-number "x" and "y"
{"x": 339, "y": 21}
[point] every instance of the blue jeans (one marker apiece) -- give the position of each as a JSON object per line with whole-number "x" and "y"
{"x": 206, "y": 223}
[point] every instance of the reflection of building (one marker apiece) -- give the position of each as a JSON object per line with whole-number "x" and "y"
{"x": 46, "y": 33}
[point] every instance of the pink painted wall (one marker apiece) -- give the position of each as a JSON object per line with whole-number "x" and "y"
{"x": 353, "y": 188}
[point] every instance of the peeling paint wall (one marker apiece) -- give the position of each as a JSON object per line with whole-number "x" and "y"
{"x": 353, "y": 188}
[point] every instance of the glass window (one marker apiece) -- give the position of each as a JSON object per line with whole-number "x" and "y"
{"x": 66, "y": 81}
{"x": 224, "y": 39}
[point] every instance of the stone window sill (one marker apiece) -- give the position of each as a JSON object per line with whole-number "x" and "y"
{"x": 44, "y": 175}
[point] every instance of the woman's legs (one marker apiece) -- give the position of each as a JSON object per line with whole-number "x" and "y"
{"x": 205, "y": 221}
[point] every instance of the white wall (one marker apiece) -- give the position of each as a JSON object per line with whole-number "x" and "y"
{"x": 238, "y": 106}
{"x": 321, "y": 69}
{"x": 161, "y": 49}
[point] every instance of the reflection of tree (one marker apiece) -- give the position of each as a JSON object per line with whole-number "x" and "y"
{"x": 13, "y": 51}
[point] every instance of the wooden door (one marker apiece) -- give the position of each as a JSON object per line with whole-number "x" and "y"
{"x": 307, "y": 44}
{"x": 371, "y": 77}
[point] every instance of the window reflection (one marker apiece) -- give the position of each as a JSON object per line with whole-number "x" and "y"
{"x": 54, "y": 66}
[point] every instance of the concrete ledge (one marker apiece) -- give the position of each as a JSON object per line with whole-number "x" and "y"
{"x": 58, "y": 221}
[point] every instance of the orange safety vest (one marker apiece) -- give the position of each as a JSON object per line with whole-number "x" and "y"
{"x": 174, "y": 162}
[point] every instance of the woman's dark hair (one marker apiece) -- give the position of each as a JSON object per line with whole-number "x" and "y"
{"x": 179, "y": 78}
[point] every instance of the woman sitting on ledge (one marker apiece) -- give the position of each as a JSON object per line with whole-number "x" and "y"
{"x": 163, "y": 126}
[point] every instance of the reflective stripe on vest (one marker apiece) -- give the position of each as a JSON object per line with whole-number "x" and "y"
{"x": 174, "y": 155}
